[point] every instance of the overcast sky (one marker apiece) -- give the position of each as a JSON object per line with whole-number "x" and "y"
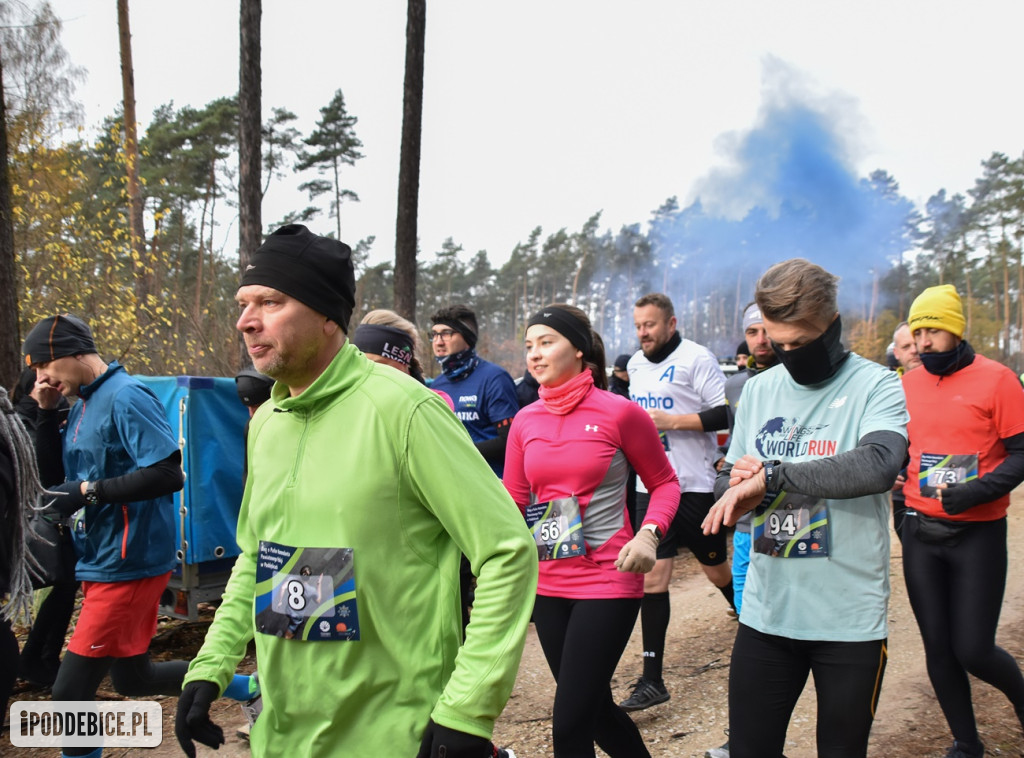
{"x": 543, "y": 112}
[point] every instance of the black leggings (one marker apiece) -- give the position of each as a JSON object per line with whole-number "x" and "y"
{"x": 583, "y": 641}
{"x": 957, "y": 593}
{"x": 767, "y": 675}
{"x": 79, "y": 677}
{"x": 50, "y": 627}
{"x": 8, "y": 664}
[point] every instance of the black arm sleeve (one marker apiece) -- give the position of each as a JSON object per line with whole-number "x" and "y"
{"x": 997, "y": 482}
{"x": 49, "y": 457}
{"x": 493, "y": 451}
{"x": 715, "y": 418}
{"x": 869, "y": 468}
{"x": 722, "y": 479}
{"x": 162, "y": 478}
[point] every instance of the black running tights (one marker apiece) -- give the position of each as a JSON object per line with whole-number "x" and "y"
{"x": 767, "y": 675}
{"x": 79, "y": 677}
{"x": 583, "y": 641}
{"x": 957, "y": 593}
{"x": 8, "y": 664}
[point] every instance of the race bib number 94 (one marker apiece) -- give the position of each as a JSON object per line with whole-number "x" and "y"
{"x": 306, "y": 594}
{"x": 791, "y": 526}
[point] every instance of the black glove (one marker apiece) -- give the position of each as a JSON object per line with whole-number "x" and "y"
{"x": 69, "y": 498}
{"x": 442, "y": 742}
{"x": 192, "y": 721}
{"x": 957, "y": 498}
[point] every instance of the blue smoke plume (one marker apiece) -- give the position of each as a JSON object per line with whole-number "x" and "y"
{"x": 789, "y": 190}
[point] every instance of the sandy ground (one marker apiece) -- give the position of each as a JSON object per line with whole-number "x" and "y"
{"x": 909, "y": 723}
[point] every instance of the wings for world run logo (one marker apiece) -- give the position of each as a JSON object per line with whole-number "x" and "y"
{"x": 785, "y": 438}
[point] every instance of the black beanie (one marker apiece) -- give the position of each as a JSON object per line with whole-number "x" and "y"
{"x": 57, "y": 337}
{"x": 315, "y": 270}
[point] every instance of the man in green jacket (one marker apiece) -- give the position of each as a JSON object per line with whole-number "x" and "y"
{"x": 351, "y": 528}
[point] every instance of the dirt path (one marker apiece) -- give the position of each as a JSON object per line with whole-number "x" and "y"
{"x": 909, "y": 723}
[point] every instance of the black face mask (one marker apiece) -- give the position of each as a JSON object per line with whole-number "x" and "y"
{"x": 816, "y": 361}
{"x": 948, "y": 362}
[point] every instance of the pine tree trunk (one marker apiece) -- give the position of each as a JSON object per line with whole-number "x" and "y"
{"x": 10, "y": 342}
{"x": 409, "y": 164}
{"x": 250, "y": 144}
{"x": 131, "y": 149}
{"x": 250, "y": 224}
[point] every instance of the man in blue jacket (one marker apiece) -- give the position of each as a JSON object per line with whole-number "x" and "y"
{"x": 115, "y": 467}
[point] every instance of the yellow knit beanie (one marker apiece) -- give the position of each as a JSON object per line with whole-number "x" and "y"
{"x": 938, "y": 308}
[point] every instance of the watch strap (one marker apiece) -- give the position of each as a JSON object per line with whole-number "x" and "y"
{"x": 653, "y": 528}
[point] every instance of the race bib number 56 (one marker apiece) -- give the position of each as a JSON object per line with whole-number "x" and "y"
{"x": 557, "y": 528}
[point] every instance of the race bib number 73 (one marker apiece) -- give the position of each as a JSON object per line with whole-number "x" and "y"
{"x": 938, "y": 468}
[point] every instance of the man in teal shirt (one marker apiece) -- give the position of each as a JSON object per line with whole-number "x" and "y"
{"x": 349, "y": 492}
{"x": 815, "y": 449}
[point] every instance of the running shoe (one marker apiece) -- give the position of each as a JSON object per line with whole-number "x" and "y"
{"x": 503, "y": 752}
{"x": 718, "y": 752}
{"x": 253, "y": 707}
{"x": 645, "y": 694}
{"x": 959, "y": 750}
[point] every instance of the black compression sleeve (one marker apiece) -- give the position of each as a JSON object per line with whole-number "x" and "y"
{"x": 869, "y": 468}
{"x": 48, "y": 447}
{"x": 722, "y": 480}
{"x": 494, "y": 450}
{"x": 997, "y": 482}
{"x": 715, "y": 418}
{"x": 162, "y": 478}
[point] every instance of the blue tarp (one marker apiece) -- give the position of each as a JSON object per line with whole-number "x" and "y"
{"x": 207, "y": 417}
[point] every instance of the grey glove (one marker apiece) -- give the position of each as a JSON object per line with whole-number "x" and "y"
{"x": 639, "y": 554}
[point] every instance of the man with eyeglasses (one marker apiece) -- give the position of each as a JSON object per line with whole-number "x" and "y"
{"x": 483, "y": 392}
{"x": 485, "y": 401}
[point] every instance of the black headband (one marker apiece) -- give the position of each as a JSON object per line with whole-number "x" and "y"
{"x": 386, "y": 341}
{"x": 461, "y": 327}
{"x": 566, "y": 324}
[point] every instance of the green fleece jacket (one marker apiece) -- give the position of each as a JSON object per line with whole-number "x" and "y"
{"x": 368, "y": 459}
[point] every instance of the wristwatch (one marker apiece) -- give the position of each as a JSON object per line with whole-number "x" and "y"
{"x": 653, "y": 528}
{"x": 771, "y": 475}
{"x": 90, "y": 494}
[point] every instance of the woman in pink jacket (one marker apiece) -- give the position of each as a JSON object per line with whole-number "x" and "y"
{"x": 566, "y": 466}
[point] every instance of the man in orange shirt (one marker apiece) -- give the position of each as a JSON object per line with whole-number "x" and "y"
{"x": 966, "y": 454}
